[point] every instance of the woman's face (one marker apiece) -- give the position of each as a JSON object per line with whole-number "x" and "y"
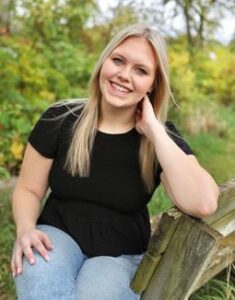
{"x": 128, "y": 73}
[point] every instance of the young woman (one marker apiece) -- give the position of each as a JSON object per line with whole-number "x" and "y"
{"x": 102, "y": 159}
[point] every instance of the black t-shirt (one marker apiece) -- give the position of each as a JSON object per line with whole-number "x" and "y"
{"x": 105, "y": 213}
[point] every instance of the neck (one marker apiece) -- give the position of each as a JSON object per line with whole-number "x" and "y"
{"x": 115, "y": 120}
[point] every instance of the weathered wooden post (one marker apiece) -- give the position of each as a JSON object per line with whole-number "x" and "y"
{"x": 185, "y": 252}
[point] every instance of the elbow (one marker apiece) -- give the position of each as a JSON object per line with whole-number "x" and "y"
{"x": 207, "y": 210}
{"x": 209, "y": 206}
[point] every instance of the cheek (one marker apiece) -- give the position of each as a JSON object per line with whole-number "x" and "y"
{"x": 106, "y": 71}
{"x": 143, "y": 86}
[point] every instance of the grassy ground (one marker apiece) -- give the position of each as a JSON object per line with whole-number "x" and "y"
{"x": 216, "y": 152}
{"x": 7, "y": 291}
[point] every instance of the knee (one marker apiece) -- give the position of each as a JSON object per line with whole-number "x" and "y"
{"x": 44, "y": 280}
{"x": 104, "y": 291}
{"x": 38, "y": 273}
{"x": 103, "y": 284}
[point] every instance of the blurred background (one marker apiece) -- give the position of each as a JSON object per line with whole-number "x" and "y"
{"x": 48, "y": 49}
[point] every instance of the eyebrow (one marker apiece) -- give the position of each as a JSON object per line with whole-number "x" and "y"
{"x": 148, "y": 67}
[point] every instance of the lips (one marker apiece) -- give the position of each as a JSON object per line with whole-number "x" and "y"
{"x": 120, "y": 88}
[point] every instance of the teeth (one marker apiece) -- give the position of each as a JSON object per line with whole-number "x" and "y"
{"x": 120, "y": 88}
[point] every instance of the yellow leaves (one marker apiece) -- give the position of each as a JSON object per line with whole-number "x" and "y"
{"x": 17, "y": 149}
{"x": 178, "y": 58}
{"x": 2, "y": 160}
{"x": 182, "y": 75}
{"x": 44, "y": 94}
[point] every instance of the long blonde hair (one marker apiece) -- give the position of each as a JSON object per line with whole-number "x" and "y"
{"x": 85, "y": 127}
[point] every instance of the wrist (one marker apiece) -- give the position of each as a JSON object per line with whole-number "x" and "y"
{"x": 156, "y": 131}
{"x": 24, "y": 228}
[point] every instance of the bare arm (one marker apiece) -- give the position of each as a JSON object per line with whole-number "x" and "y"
{"x": 26, "y": 203}
{"x": 190, "y": 187}
{"x": 186, "y": 206}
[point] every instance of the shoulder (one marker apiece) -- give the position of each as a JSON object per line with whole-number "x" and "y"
{"x": 170, "y": 125}
{"x": 53, "y": 125}
{"x": 177, "y": 137}
{"x": 62, "y": 109}
{"x": 172, "y": 129}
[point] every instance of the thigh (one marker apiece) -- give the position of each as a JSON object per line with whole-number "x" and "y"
{"x": 106, "y": 277}
{"x": 53, "y": 279}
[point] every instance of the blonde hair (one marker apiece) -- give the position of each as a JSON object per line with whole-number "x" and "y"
{"x": 85, "y": 127}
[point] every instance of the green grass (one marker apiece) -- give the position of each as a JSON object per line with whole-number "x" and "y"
{"x": 159, "y": 202}
{"x": 215, "y": 289}
{"x": 7, "y": 291}
{"x": 216, "y": 155}
{"x": 216, "y": 152}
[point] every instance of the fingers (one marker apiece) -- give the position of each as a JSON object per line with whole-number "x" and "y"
{"x": 16, "y": 262}
{"x": 46, "y": 241}
{"x": 27, "y": 251}
{"x": 39, "y": 246}
{"x": 23, "y": 246}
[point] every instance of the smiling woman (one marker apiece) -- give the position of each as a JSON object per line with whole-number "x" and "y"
{"x": 126, "y": 76}
{"x": 102, "y": 159}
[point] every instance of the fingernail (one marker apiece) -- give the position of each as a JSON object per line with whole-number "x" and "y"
{"x": 14, "y": 274}
{"x": 32, "y": 261}
{"x": 18, "y": 271}
{"x": 47, "y": 258}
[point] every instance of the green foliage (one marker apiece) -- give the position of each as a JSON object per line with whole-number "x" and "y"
{"x": 203, "y": 75}
{"x": 182, "y": 75}
{"x": 50, "y": 21}
{"x": 31, "y": 78}
{"x": 159, "y": 202}
{"x": 215, "y": 150}
{"x": 47, "y": 53}
{"x": 7, "y": 290}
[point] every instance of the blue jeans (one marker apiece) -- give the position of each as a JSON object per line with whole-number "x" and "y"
{"x": 71, "y": 275}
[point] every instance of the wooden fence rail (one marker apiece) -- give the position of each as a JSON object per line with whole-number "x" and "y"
{"x": 185, "y": 252}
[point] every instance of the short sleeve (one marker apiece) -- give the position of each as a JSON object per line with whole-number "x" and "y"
{"x": 179, "y": 140}
{"x": 45, "y": 134}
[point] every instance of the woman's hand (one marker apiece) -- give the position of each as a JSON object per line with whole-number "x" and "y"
{"x": 146, "y": 121}
{"x": 23, "y": 246}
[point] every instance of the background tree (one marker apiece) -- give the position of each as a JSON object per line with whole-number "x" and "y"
{"x": 201, "y": 17}
{"x": 51, "y": 47}
{"x": 7, "y": 11}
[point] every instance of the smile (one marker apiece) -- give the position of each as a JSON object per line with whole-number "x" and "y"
{"x": 120, "y": 88}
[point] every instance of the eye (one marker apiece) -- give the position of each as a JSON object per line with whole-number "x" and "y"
{"x": 117, "y": 61}
{"x": 141, "y": 71}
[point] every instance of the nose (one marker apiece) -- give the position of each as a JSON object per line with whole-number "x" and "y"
{"x": 124, "y": 74}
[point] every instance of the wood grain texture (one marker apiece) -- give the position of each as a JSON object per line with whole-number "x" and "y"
{"x": 185, "y": 252}
{"x": 223, "y": 257}
{"x": 185, "y": 259}
{"x": 157, "y": 245}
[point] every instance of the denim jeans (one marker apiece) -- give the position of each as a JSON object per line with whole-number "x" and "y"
{"x": 71, "y": 275}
